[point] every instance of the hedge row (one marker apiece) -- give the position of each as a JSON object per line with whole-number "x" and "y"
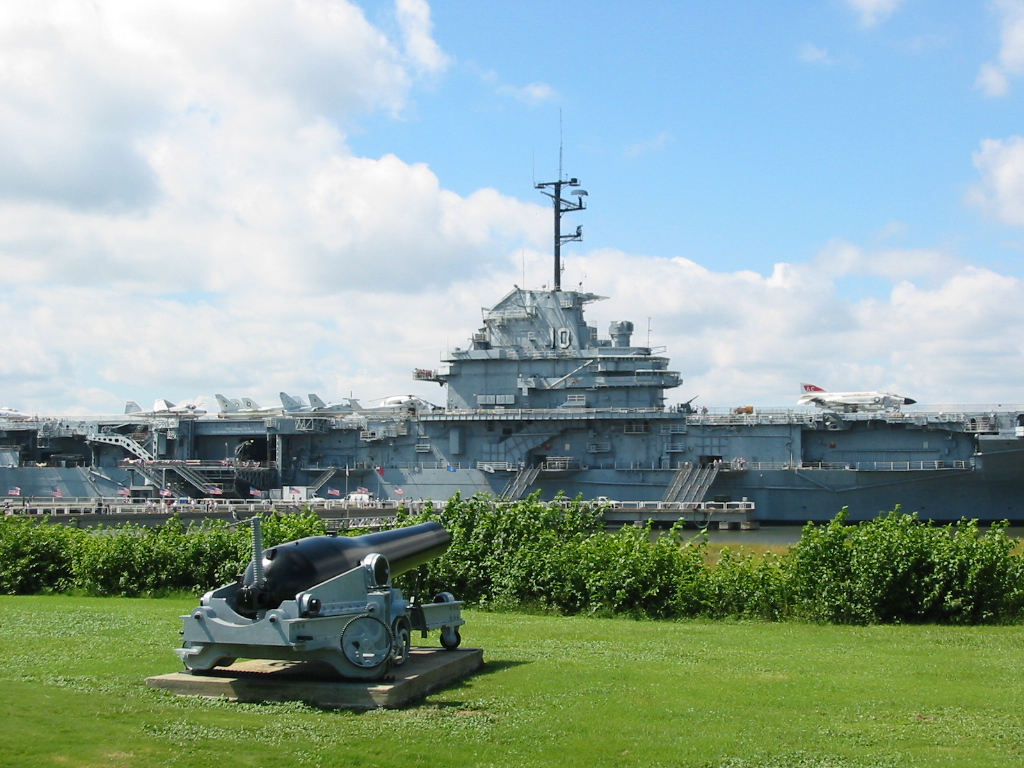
{"x": 558, "y": 557}
{"x": 895, "y": 568}
{"x": 132, "y": 560}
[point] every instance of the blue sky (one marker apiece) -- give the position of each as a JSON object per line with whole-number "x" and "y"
{"x": 320, "y": 195}
{"x": 734, "y": 134}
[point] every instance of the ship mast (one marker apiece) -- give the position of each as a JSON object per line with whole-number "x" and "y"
{"x": 562, "y": 206}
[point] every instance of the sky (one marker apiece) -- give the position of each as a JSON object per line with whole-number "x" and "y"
{"x": 321, "y": 195}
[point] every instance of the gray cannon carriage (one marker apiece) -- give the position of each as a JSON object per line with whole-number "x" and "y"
{"x": 324, "y": 598}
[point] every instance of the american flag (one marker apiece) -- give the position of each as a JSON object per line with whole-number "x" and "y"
{"x": 14, "y": 491}
{"x": 56, "y": 493}
{"x": 122, "y": 491}
{"x": 399, "y": 491}
{"x": 293, "y": 490}
{"x": 360, "y": 489}
{"x": 255, "y": 492}
{"x": 333, "y": 492}
{"x": 166, "y": 492}
{"x": 215, "y": 491}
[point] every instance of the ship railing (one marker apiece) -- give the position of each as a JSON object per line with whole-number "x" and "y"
{"x": 117, "y": 505}
{"x": 372, "y": 508}
{"x": 910, "y": 466}
{"x": 763, "y": 465}
{"x": 706, "y": 506}
{"x": 560, "y": 463}
{"x": 755, "y": 418}
{"x": 505, "y": 412}
{"x": 879, "y": 466}
{"x": 196, "y": 464}
{"x": 855, "y": 466}
{"x": 451, "y": 466}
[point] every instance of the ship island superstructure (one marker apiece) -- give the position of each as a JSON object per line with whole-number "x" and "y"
{"x": 540, "y": 400}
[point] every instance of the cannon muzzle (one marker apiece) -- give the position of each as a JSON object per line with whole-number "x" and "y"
{"x": 296, "y": 566}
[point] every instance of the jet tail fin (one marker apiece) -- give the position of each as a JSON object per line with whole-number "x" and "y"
{"x": 316, "y": 402}
{"x": 132, "y": 407}
{"x": 226, "y": 406}
{"x": 291, "y": 403}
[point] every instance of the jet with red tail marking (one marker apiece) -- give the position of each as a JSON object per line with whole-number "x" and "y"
{"x": 851, "y": 401}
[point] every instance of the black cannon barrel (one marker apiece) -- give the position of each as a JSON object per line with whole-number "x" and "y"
{"x": 294, "y": 567}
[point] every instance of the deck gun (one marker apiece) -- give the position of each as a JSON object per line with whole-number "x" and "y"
{"x": 324, "y": 598}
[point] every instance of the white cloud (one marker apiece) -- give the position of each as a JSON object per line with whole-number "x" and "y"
{"x": 840, "y": 259}
{"x": 655, "y": 144}
{"x": 945, "y": 332}
{"x": 812, "y": 54}
{"x": 1001, "y": 191}
{"x": 414, "y": 18}
{"x": 992, "y": 80}
{"x": 871, "y": 12}
{"x": 180, "y": 213}
{"x": 994, "y": 77}
{"x": 533, "y": 94}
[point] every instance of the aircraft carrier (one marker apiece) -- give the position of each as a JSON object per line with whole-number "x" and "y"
{"x": 538, "y": 400}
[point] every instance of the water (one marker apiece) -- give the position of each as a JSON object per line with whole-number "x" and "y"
{"x": 786, "y": 535}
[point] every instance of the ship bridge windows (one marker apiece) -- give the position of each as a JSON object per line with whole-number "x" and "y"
{"x": 483, "y": 400}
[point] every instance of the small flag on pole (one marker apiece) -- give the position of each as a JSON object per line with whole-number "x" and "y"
{"x": 56, "y": 492}
{"x": 166, "y": 492}
{"x": 122, "y": 491}
{"x": 333, "y": 492}
{"x": 255, "y": 492}
{"x": 14, "y": 490}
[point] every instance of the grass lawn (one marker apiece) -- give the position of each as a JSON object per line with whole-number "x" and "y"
{"x": 556, "y": 691}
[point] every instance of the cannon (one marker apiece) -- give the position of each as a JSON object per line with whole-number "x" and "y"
{"x": 324, "y": 598}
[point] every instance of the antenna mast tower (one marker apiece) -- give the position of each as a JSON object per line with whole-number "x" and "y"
{"x": 563, "y": 206}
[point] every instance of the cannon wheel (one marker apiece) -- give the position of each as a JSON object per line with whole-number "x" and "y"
{"x": 401, "y": 628}
{"x": 450, "y": 638}
{"x": 366, "y": 642}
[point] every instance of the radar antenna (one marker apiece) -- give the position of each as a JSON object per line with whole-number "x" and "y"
{"x": 563, "y": 206}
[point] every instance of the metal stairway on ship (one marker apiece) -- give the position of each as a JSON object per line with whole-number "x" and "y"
{"x": 517, "y": 486}
{"x": 690, "y": 483}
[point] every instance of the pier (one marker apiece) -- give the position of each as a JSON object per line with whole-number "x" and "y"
{"x": 343, "y": 515}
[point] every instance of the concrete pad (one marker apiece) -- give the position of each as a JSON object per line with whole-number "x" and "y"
{"x": 427, "y": 670}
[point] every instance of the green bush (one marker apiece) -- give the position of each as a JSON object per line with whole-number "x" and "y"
{"x": 897, "y": 568}
{"x": 132, "y": 560}
{"x": 745, "y": 585}
{"x": 35, "y": 557}
{"x": 557, "y": 556}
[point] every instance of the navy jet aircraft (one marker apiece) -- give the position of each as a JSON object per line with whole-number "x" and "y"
{"x": 162, "y": 407}
{"x": 243, "y": 408}
{"x": 851, "y": 401}
{"x": 316, "y": 405}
